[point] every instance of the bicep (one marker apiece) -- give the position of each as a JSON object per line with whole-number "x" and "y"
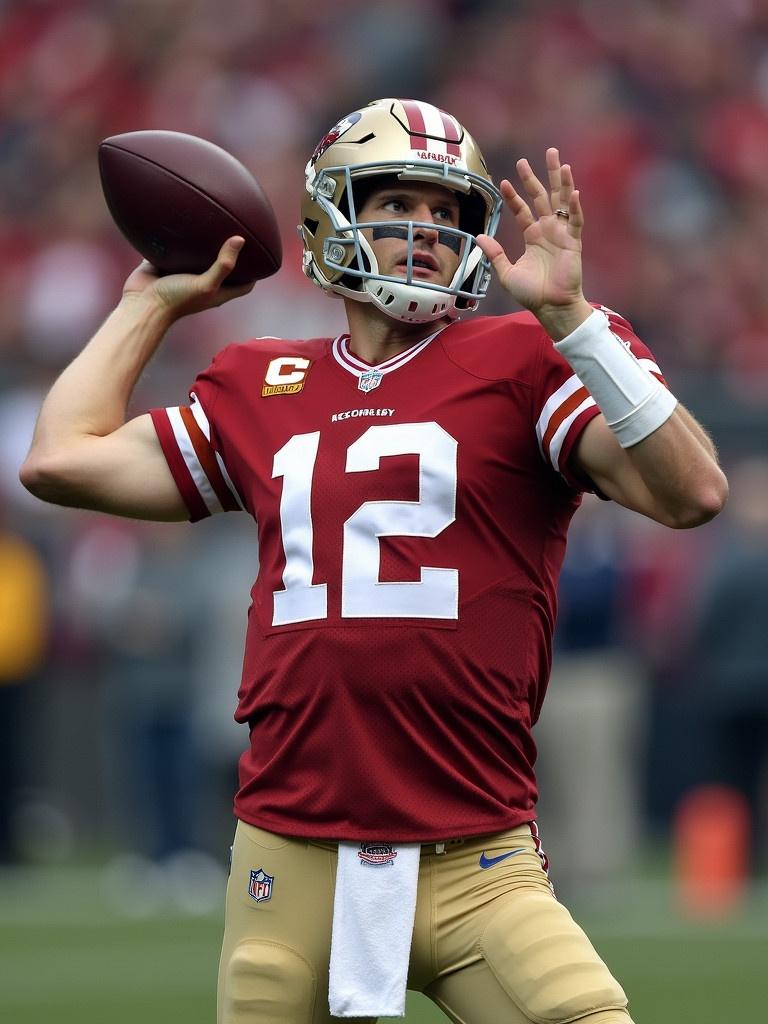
{"x": 124, "y": 473}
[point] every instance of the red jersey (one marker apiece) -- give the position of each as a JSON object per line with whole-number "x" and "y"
{"x": 412, "y": 522}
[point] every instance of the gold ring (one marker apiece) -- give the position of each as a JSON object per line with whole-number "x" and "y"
{"x": 562, "y": 213}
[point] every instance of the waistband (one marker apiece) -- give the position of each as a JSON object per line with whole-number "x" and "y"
{"x": 437, "y": 848}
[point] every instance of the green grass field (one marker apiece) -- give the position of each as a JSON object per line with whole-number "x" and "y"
{"x": 65, "y": 957}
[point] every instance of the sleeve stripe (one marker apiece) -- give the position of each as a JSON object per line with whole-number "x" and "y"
{"x": 560, "y": 411}
{"x": 199, "y": 413}
{"x": 561, "y": 433}
{"x": 553, "y": 403}
{"x": 177, "y": 465}
{"x": 564, "y": 406}
{"x": 217, "y": 494}
{"x": 192, "y": 462}
{"x": 233, "y": 491}
{"x": 202, "y": 421}
{"x": 560, "y": 414}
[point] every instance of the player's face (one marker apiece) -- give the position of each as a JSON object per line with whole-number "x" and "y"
{"x": 435, "y": 256}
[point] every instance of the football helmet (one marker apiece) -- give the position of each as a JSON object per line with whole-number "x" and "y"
{"x": 410, "y": 141}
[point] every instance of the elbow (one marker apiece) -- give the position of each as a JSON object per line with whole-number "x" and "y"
{"x": 30, "y": 475}
{"x": 702, "y": 504}
{"x": 43, "y": 478}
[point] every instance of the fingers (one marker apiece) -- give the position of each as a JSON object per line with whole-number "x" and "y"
{"x": 224, "y": 265}
{"x": 576, "y": 219}
{"x": 516, "y": 204}
{"x": 562, "y": 195}
{"x": 534, "y": 189}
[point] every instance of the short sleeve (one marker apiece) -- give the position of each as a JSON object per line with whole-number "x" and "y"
{"x": 564, "y": 406}
{"x": 189, "y": 444}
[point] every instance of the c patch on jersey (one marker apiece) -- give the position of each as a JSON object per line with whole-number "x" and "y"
{"x": 285, "y": 375}
{"x": 260, "y": 885}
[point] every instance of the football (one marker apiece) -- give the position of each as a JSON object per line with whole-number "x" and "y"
{"x": 177, "y": 198}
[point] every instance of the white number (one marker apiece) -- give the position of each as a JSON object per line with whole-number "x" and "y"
{"x": 302, "y": 599}
{"x": 436, "y": 594}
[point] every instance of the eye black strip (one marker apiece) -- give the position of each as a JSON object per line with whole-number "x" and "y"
{"x": 452, "y": 241}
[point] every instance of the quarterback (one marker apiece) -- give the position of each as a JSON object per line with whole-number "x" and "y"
{"x": 412, "y": 482}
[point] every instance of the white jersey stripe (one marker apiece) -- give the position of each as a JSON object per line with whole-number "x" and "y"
{"x": 357, "y": 367}
{"x": 556, "y": 401}
{"x": 553, "y": 403}
{"x": 559, "y": 436}
{"x": 202, "y": 421}
{"x": 568, "y": 388}
{"x": 189, "y": 455}
{"x": 228, "y": 479}
{"x": 200, "y": 417}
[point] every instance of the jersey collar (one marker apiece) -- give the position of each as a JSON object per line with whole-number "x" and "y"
{"x": 369, "y": 377}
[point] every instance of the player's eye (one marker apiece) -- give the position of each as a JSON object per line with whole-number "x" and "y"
{"x": 445, "y": 213}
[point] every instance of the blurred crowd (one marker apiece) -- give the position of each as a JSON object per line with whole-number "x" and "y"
{"x": 133, "y": 631}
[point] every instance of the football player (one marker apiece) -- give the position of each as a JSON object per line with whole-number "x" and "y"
{"x": 412, "y": 481}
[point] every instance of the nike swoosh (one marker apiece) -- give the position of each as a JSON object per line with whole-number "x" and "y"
{"x": 488, "y": 862}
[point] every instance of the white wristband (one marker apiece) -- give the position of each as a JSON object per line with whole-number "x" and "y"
{"x": 633, "y": 401}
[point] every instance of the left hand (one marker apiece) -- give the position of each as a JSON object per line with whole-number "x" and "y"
{"x": 547, "y": 278}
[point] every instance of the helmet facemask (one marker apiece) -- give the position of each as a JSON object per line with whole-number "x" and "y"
{"x": 338, "y": 256}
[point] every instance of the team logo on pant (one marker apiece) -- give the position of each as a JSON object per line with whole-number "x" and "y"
{"x": 376, "y": 854}
{"x": 260, "y": 886}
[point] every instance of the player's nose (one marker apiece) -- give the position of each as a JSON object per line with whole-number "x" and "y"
{"x": 424, "y": 214}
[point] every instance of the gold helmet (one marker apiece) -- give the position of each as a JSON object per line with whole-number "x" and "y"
{"x": 412, "y": 141}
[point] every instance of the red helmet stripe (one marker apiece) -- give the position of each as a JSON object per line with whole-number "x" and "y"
{"x": 451, "y": 133}
{"x": 415, "y": 124}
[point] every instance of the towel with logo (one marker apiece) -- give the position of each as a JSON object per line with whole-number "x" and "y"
{"x": 373, "y": 913}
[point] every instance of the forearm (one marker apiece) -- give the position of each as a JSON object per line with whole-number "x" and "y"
{"x": 678, "y": 466}
{"x": 671, "y": 476}
{"x": 650, "y": 454}
{"x": 90, "y": 398}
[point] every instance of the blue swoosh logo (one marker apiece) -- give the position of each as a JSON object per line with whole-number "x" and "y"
{"x": 488, "y": 862}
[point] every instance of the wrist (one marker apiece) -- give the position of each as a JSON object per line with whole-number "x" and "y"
{"x": 633, "y": 401}
{"x": 560, "y": 321}
{"x": 143, "y": 309}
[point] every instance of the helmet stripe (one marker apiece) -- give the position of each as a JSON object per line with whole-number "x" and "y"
{"x": 451, "y": 133}
{"x": 415, "y": 123}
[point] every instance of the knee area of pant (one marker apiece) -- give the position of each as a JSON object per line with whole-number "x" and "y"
{"x": 548, "y": 966}
{"x": 265, "y": 983}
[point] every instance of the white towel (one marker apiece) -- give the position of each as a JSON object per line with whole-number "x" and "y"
{"x": 373, "y": 913}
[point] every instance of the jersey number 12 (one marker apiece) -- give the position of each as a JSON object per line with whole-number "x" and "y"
{"x": 435, "y": 595}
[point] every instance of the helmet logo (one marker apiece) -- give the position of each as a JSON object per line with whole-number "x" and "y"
{"x": 334, "y": 135}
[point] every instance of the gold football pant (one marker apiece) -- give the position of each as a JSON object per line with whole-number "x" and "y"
{"x": 491, "y": 945}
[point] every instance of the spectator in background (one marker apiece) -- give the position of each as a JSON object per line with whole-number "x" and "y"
{"x": 23, "y": 637}
{"x": 729, "y": 645}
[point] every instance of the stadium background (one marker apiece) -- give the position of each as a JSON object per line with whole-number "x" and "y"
{"x": 120, "y": 642}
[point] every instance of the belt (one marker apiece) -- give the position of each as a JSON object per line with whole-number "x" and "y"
{"x": 444, "y": 846}
{"x": 427, "y": 849}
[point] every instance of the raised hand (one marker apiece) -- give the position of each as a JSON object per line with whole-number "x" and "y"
{"x": 547, "y": 278}
{"x": 182, "y": 294}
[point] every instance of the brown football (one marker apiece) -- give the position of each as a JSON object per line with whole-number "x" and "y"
{"x": 177, "y": 198}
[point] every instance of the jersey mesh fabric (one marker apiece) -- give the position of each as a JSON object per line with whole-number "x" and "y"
{"x": 399, "y": 638}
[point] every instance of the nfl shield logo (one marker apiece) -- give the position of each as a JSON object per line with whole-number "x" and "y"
{"x": 260, "y": 886}
{"x": 369, "y": 380}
